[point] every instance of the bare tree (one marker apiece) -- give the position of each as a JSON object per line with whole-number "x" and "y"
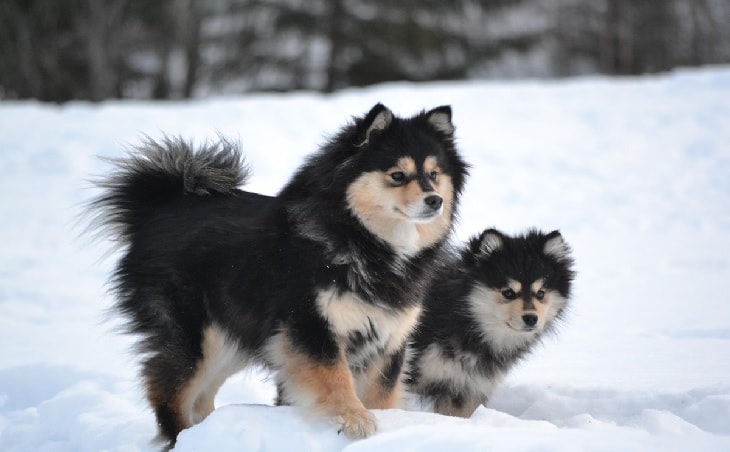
{"x": 100, "y": 28}
{"x": 336, "y": 35}
{"x": 190, "y": 17}
{"x": 96, "y": 49}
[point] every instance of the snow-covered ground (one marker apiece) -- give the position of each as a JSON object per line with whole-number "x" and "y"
{"x": 634, "y": 172}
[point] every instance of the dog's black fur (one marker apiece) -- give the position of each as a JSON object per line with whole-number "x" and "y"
{"x": 484, "y": 313}
{"x": 214, "y": 278}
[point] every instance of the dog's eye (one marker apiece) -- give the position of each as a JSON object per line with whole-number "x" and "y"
{"x": 540, "y": 294}
{"x": 433, "y": 175}
{"x": 398, "y": 177}
{"x": 509, "y": 294}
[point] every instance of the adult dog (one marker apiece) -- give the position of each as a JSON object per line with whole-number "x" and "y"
{"x": 322, "y": 283}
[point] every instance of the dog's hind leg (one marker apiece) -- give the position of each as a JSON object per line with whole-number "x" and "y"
{"x": 181, "y": 388}
{"x": 220, "y": 359}
{"x": 165, "y": 375}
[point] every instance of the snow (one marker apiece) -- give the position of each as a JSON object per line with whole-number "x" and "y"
{"x": 635, "y": 172}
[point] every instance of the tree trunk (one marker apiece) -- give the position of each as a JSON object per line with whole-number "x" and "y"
{"x": 336, "y": 35}
{"x": 191, "y": 39}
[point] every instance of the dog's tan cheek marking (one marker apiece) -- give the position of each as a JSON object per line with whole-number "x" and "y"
{"x": 373, "y": 199}
{"x": 432, "y": 232}
{"x": 365, "y": 195}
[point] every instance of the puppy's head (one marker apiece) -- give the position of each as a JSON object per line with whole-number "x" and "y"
{"x": 522, "y": 283}
{"x": 408, "y": 177}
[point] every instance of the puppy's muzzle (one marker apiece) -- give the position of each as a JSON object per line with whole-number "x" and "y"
{"x": 530, "y": 321}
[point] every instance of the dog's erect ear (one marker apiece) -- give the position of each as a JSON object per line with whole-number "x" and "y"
{"x": 378, "y": 119}
{"x": 555, "y": 246}
{"x": 489, "y": 241}
{"x": 440, "y": 119}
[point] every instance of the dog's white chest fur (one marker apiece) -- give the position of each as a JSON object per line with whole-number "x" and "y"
{"x": 381, "y": 330}
{"x": 460, "y": 375}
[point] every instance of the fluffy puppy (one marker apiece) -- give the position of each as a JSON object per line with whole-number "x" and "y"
{"x": 483, "y": 313}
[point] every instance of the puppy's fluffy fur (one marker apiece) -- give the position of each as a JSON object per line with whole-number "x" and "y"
{"x": 483, "y": 313}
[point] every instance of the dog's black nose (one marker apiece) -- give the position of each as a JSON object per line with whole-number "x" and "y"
{"x": 434, "y": 202}
{"x": 530, "y": 320}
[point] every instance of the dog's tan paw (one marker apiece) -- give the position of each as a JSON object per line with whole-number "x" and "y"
{"x": 356, "y": 424}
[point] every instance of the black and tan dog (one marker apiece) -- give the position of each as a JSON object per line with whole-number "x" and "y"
{"x": 322, "y": 283}
{"x": 483, "y": 313}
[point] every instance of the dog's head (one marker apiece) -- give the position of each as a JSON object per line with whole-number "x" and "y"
{"x": 522, "y": 283}
{"x": 406, "y": 177}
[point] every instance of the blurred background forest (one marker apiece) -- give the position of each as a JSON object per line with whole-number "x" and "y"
{"x": 61, "y": 50}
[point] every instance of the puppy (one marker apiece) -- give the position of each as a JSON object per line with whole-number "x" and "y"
{"x": 483, "y": 313}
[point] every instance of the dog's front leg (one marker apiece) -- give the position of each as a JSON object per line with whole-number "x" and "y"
{"x": 383, "y": 385}
{"x": 324, "y": 385}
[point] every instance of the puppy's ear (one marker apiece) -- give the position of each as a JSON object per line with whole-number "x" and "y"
{"x": 378, "y": 119}
{"x": 555, "y": 246}
{"x": 488, "y": 242}
{"x": 440, "y": 119}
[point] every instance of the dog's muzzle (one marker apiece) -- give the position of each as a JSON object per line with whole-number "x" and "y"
{"x": 434, "y": 202}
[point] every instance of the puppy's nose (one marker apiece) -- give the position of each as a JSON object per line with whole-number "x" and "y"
{"x": 434, "y": 201}
{"x": 530, "y": 320}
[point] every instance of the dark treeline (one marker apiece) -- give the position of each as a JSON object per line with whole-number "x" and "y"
{"x": 59, "y": 50}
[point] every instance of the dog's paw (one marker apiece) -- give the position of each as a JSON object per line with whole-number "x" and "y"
{"x": 356, "y": 424}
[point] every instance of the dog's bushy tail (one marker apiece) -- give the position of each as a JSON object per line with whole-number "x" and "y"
{"x": 158, "y": 172}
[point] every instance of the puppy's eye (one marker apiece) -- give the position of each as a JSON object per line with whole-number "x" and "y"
{"x": 540, "y": 294}
{"x": 433, "y": 175}
{"x": 398, "y": 177}
{"x": 509, "y": 294}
